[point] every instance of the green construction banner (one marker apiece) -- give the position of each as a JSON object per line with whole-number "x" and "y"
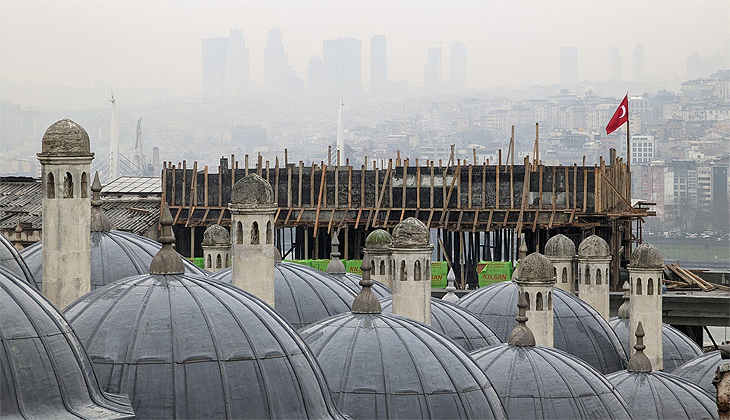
{"x": 494, "y": 272}
{"x": 353, "y": 266}
{"x": 439, "y": 270}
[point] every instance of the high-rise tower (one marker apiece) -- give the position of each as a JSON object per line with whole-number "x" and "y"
{"x": 457, "y": 60}
{"x": 237, "y": 64}
{"x": 432, "y": 68}
{"x": 378, "y": 64}
{"x": 215, "y": 53}
{"x": 568, "y": 66}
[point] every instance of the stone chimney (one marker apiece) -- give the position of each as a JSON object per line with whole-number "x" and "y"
{"x": 216, "y": 248}
{"x": 535, "y": 279}
{"x": 377, "y": 245}
{"x": 411, "y": 267}
{"x": 65, "y": 160}
{"x": 594, "y": 260}
{"x": 252, "y": 210}
{"x": 561, "y": 251}
{"x": 646, "y": 270}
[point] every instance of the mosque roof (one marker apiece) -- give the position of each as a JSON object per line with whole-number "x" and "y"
{"x": 578, "y": 328}
{"x": 457, "y": 323}
{"x": 11, "y": 260}
{"x": 304, "y": 295}
{"x": 701, "y": 370}
{"x": 45, "y": 371}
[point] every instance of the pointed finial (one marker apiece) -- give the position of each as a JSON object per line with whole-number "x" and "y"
{"x": 523, "y": 248}
{"x": 521, "y": 335}
{"x": 366, "y": 302}
{"x": 167, "y": 260}
{"x": 335, "y": 265}
{"x": 99, "y": 221}
{"x": 624, "y": 311}
{"x": 450, "y": 296}
{"x": 639, "y": 362}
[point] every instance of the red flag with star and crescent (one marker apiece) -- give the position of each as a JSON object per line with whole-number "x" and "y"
{"x": 619, "y": 117}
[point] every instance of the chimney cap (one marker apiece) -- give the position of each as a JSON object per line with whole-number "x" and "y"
{"x": 65, "y": 138}
{"x": 252, "y": 191}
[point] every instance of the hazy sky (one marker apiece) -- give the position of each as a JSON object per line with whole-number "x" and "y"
{"x": 151, "y": 43}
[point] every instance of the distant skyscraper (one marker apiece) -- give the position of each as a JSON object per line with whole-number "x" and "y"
{"x": 315, "y": 76}
{"x": 342, "y": 65}
{"x": 276, "y": 68}
{"x": 378, "y": 64}
{"x": 457, "y": 58}
{"x": 614, "y": 65}
{"x": 568, "y": 66}
{"x": 237, "y": 64}
{"x": 215, "y": 52}
{"x": 639, "y": 62}
{"x": 432, "y": 68}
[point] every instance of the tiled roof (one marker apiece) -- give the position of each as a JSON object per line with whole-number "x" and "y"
{"x": 134, "y": 185}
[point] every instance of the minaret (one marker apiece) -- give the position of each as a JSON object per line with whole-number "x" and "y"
{"x": 340, "y": 134}
{"x": 377, "y": 245}
{"x": 646, "y": 270}
{"x": 561, "y": 251}
{"x": 65, "y": 160}
{"x": 216, "y": 248}
{"x": 450, "y": 296}
{"x": 411, "y": 267}
{"x": 252, "y": 210}
{"x": 114, "y": 142}
{"x": 594, "y": 260}
{"x": 535, "y": 279}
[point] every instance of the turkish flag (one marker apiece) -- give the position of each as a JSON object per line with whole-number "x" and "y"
{"x": 619, "y": 117}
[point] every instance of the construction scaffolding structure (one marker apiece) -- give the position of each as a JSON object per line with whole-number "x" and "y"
{"x": 476, "y": 211}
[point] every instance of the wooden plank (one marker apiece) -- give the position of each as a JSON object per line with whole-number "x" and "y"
{"x": 382, "y": 191}
{"x": 329, "y": 225}
{"x": 555, "y": 182}
{"x": 337, "y": 187}
{"x": 319, "y": 198}
{"x": 349, "y": 186}
{"x": 525, "y": 195}
{"x": 511, "y": 186}
{"x": 418, "y": 185}
{"x": 469, "y": 184}
{"x": 430, "y": 197}
{"x": 458, "y": 224}
{"x": 288, "y": 184}
{"x": 552, "y": 217}
{"x": 220, "y": 216}
{"x": 357, "y": 221}
{"x": 174, "y": 222}
{"x": 389, "y": 181}
{"x": 301, "y": 175}
{"x": 387, "y": 219}
{"x": 288, "y": 215}
{"x": 585, "y": 186}
{"x": 534, "y": 222}
{"x": 539, "y": 188}
{"x": 567, "y": 188}
{"x": 496, "y": 187}
{"x": 575, "y": 186}
{"x": 476, "y": 220}
{"x": 311, "y": 187}
{"x": 205, "y": 215}
{"x": 483, "y": 192}
{"x": 405, "y": 177}
{"x": 301, "y": 212}
{"x": 276, "y": 180}
{"x": 506, "y": 216}
{"x": 205, "y": 187}
{"x": 430, "y": 216}
{"x": 402, "y": 213}
{"x": 489, "y": 221}
{"x": 451, "y": 188}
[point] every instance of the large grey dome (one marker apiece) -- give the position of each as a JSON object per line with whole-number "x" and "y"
{"x": 560, "y": 246}
{"x": 677, "y": 347}
{"x": 457, "y": 323}
{"x": 389, "y": 367}
{"x": 594, "y": 247}
{"x": 578, "y": 329}
{"x": 11, "y": 260}
{"x": 303, "y": 295}
{"x": 646, "y": 256}
{"x": 659, "y": 395}
{"x": 65, "y": 138}
{"x": 45, "y": 372}
{"x": 114, "y": 255}
{"x": 536, "y": 382}
{"x": 701, "y": 370}
{"x": 188, "y": 346}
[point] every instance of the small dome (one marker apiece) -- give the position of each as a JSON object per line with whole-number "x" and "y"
{"x": 352, "y": 281}
{"x": 114, "y": 255}
{"x": 577, "y": 328}
{"x": 188, "y": 346}
{"x": 536, "y": 382}
{"x": 389, "y": 367}
{"x": 378, "y": 240}
{"x": 460, "y": 325}
{"x": 594, "y": 247}
{"x": 303, "y": 295}
{"x": 560, "y": 246}
{"x": 646, "y": 256}
{"x": 65, "y": 138}
{"x": 535, "y": 268}
{"x": 252, "y": 190}
{"x": 45, "y": 370}
{"x": 411, "y": 233}
{"x": 11, "y": 260}
{"x": 677, "y": 347}
{"x": 659, "y": 395}
{"x": 701, "y": 370}
{"x": 216, "y": 235}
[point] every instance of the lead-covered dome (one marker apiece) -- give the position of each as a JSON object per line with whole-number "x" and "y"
{"x": 65, "y": 138}
{"x": 303, "y": 295}
{"x": 45, "y": 371}
{"x": 188, "y": 346}
{"x": 11, "y": 260}
{"x": 115, "y": 254}
{"x": 457, "y": 323}
{"x": 578, "y": 329}
{"x": 389, "y": 367}
{"x": 701, "y": 370}
{"x": 536, "y": 382}
{"x": 411, "y": 233}
{"x": 676, "y": 346}
{"x": 535, "y": 268}
{"x": 646, "y": 256}
{"x": 216, "y": 235}
{"x": 252, "y": 190}
{"x": 560, "y": 246}
{"x": 378, "y": 240}
{"x": 594, "y": 247}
